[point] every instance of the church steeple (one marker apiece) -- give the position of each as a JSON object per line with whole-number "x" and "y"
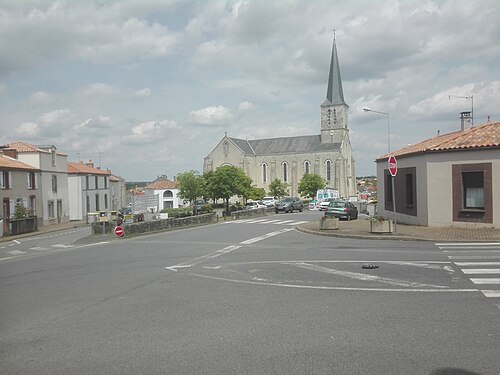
{"x": 334, "y": 93}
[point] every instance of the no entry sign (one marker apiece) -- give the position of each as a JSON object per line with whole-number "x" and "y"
{"x": 393, "y": 166}
{"x": 119, "y": 231}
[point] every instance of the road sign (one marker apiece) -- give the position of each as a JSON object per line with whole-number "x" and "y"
{"x": 393, "y": 165}
{"x": 119, "y": 231}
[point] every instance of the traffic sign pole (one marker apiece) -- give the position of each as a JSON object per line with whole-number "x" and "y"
{"x": 393, "y": 170}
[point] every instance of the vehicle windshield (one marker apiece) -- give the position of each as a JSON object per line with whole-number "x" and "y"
{"x": 337, "y": 204}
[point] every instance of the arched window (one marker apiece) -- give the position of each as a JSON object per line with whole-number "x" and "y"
{"x": 307, "y": 167}
{"x": 285, "y": 172}
{"x": 168, "y": 194}
{"x": 328, "y": 165}
{"x": 264, "y": 172}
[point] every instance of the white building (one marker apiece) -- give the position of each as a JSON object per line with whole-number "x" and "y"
{"x": 89, "y": 190}
{"x": 165, "y": 192}
{"x": 52, "y": 181}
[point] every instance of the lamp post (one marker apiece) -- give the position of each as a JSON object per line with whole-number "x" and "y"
{"x": 388, "y": 155}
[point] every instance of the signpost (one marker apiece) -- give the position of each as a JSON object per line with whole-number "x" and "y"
{"x": 119, "y": 231}
{"x": 393, "y": 170}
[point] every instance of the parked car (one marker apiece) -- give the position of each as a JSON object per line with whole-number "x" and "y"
{"x": 341, "y": 210}
{"x": 198, "y": 204}
{"x": 269, "y": 201}
{"x": 313, "y": 205}
{"x": 324, "y": 204}
{"x": 253, "y": 205}
{"x": 289, "y": 204}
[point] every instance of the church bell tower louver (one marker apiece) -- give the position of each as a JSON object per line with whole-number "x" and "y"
{"x": 334, "y": 109}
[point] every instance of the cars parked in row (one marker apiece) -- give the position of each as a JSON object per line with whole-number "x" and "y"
{"x": 253, "y": 205}
{"x": 289, "y": 204}
{"x": 269, "y": 201}
{"x": 341, "y": 210}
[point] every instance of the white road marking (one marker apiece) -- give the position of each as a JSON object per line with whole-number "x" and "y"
{"x": 461, "y": 264}
{"x": 6, "y": 258}
{"x": 38, "y": 248}
{"x": 468, "y": 244}
{"x": 462, "y": 248}
{"x": 16, "y": 252}
{"x": 16, "y": 241}
{"x": 491, "y": 293}
{"x": 480, "y": 271}
{"x": 265, "y": 236}
{"x": 284, "y": 222}
{"x": 63, "y": 246}
{"x": 486, "y": 280}
{"x": 458, "y": 257}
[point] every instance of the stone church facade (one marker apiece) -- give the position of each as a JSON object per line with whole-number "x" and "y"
{"x": 328, "y": 154}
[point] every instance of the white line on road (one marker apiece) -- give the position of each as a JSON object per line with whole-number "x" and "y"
{"x": 486, "y": 280}
{"x": 480, "y": 271}
{"x": 457, "y": 257}
{"x": 464, "y": 264}
{"x": 468, "y": 244}
{"x": 16, "y": 252}
{"x": 265, "y": 236}
{"x": 62, "y": 246}
{"x": 16, "y": 241}
{"x": 491, "y": 293}
{"x": 467, "y": 251}
{"x": 7, "y": 258}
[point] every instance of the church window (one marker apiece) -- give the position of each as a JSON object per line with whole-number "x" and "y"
{"x": 307, "y": 166}
{"x": 328, "y": 170}
{"x": 285, "y": 172}
{"x": 264, "y": 172}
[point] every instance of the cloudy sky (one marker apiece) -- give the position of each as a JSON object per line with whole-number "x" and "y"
{"x": 149, "y": 87}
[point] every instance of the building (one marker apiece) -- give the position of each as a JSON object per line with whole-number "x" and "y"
{"x": 166, "y": 193}
{"x": 328, "y": 154}
{"x": 52, "y": 181}
{"x": 89, "y": 190}
{"x": 449, "y": 180}
{"x": 118, "y": 192}
{"x": 18, "y": 186}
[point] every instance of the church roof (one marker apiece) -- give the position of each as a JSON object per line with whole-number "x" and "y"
{"x": 334, "y": 93}
{"x": 285, "y": 145}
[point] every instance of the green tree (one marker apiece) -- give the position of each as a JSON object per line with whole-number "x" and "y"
{"x": 310, "y": 183}
{"x": 191, "y": 185}
{"x": 227, "y": 181}
{"x": 20, "y": 211}
{"x": 256, "y": 193}
{"x": 278, "y": 189}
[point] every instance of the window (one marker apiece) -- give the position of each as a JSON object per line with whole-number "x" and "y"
{"x": 50, "y": 210}
{"x": 264, "y": 172}
{"x": 97, "y": 202}
{"x": 88, "y": 203}
{"x": 473, "y": 185}
{"x": 409, "y": 190}
{"x": 31, "y": 180}
{"x": 168, "y": 194}
{"x": 285, "y": 172}
{"x": 32, "y": 205}
{"x": 105, "y": 182}
{"x": 307, "y": 167}
{"x": 54, "y": 183}
{"x": 53, "y": 157}
{"x": 96, "y": 182}
{"x": 5, "y": 180}
{"x": 105, "y": 201}
{"x": 328, "y": 170}
{"x": 87, "y": 182}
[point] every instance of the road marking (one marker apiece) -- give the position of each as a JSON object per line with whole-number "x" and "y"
{"x": 16, "y": 252}
{"x": 475, "y": 251}
{"x": 477, "y": 264}
{"x": 480, "y": 271}
{"x": 7, "y": 258}
{"x": 63, "y": 246}
{"x": 468, "y": 244}
{"x": 490, "y": 280}
{"x": 458, "y": 257}
{"x": 265, "y": 236}
{"x": 16, "y": 241}
{"x": 491, "y": 293}
{"x": 38, "y": 248}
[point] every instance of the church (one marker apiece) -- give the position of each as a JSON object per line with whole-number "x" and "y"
{"x": 288, "y": 159}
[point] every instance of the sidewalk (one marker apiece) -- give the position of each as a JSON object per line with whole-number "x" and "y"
{"x": 360, "y": 228}
{"x": 47, "y": 229}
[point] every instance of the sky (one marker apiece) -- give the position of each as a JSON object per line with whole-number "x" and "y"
{"x": 149, "y": 87}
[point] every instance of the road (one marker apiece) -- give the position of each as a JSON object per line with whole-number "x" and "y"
{"x": 251, "y": 297}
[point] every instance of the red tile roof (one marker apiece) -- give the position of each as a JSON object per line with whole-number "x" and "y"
{"x": 80, "y": 168}
{"x": 162, "y": 184}
{"x": 10, "y": 163}
{"x": 477, "y": 137}
{"x": 28, "y": 147}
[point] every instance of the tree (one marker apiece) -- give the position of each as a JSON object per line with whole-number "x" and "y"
{"x": 278, "y": 189}
{"x": 227, "y": 181}
{"x": 310, "y": 183}
{"x": 191, "y": 185}
{"x": 256, "y": 193}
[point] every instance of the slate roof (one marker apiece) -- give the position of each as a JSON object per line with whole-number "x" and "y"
{"x": 478, "y": 137}
{"x": 162, "y": 184}
{"x": 285, "y": 145}
{"x": 334, "y": 93}
{"x": 10, "y": 163}
{"x": 81, "y": 168}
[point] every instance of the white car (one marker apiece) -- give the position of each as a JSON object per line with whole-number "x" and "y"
{"x": 253, "y": 205}
{"x": 323, "y": 205}
{"x": 269, "y": 201}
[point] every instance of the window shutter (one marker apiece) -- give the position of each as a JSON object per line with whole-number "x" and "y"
{"x": 36, "y": 180}
{"x": 10, "y": 180}
{"x": 28, "y": 180}
{"x": 1, "y": 180}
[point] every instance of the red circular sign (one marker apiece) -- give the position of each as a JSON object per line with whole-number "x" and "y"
{"x": 119, "y": 231}
{"x": 393, "y": 165}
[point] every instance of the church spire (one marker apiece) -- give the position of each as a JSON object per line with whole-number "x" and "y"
{"x": 334, "y": 93}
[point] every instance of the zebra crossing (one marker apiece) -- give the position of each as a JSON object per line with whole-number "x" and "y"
{"x": 39, "y": 248}
{"x": 267, "y": 221}
{"x": 479, "y": 261}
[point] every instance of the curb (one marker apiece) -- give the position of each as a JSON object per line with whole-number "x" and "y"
{"x": 339, "y": 233}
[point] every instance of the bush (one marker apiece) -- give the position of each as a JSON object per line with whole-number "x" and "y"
{"x": 20, "y": 211}
{"x": 176, "y": 213}
{"x": 206, "y": 209}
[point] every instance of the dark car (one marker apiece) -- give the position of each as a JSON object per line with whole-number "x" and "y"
{"x": 341, "y": 210}
{"x": 289, "y": 204}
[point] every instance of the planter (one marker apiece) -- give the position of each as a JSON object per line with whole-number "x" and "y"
{"x": 384, "y": 226}
{"x": 328, "y": 223}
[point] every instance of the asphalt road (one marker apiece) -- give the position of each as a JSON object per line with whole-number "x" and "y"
{"x": 247, "y": 297}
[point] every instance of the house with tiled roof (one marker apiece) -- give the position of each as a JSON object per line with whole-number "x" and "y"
{"x": 165, "y": 192}
{"x": 18, "y": 185}
{"x": 290, "y": 157}
{"x": 89, "y": 190}
{"x": 52, "y": 178}
{"x": 448, "y": 180}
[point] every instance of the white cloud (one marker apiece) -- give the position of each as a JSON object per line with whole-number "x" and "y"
{"x": 245, "y": 106}
{"x": 28, "y": 130}
{"x": 97, "y": 89}
{"x": 150, "y": 132}
{"x": 41, "y": 98}
{"x": 211, "y": 115}
{"x": 142, "y": 93}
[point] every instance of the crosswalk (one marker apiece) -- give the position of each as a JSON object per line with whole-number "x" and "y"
{"x": 39, "y": 249}
{"x": 267, "y": 221}
{"x": 479, "y": 262}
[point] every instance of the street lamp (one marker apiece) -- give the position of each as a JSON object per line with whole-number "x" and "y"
{"x": 388, "y": 155}
{"x": 366, "y": 109}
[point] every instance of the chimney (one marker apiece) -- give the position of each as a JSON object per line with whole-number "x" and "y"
{"x": 90, "y": 163}
{"x": 464, "y": 117}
